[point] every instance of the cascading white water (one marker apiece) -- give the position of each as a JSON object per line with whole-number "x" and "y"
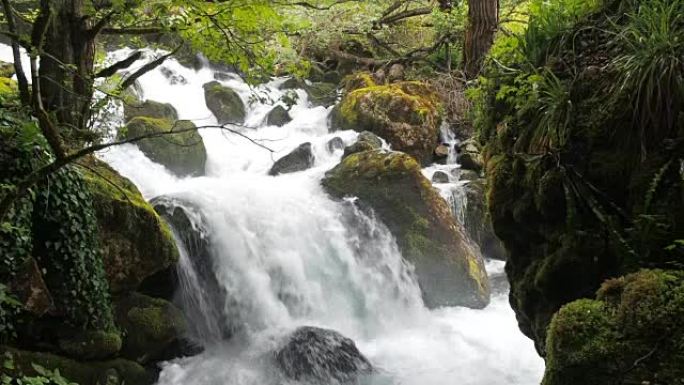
{"x": 289, "y": 255}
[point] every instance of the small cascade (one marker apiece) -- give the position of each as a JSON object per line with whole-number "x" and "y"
{"x": 449, "y": 185}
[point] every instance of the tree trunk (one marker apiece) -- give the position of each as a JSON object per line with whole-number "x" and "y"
{"x": 66, "y": 65}
{"x": 483, "y": 21}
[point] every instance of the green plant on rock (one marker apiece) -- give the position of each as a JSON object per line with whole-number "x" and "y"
{"x": 650, "y": 66}
{"x": 66, "y": 245}
{"x": 10, "y": 309}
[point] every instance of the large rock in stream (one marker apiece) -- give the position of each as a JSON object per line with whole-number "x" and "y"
{"x": 183, "y": 153}
{"x": 134, "y": 241}
{"x": 449, "y": 268}
{"x": 321, "y": 356}
{"x": 406, "y": 114}
{"x": 224, "y": 103}
{"x": 300, "y": 159}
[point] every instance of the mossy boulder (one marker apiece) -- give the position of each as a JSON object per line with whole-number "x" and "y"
{"x": 84, "y": 373}
{"x": 150, "y": 109}
{"x": 406, "y": 114}
{"x": 224, "y": 103}
{"x": 6, "y": 69}
{"x": 631, "y": 334}
{"x": 90, "y": 344}
{"x": 449, "y": 268}
{"x": 356, "y": 81}
{"x": 278, "y": 116}
{"x": 366, "y": 141}
{"x": 135, "y": 242}
{"x": 184, "y": 153}
{"x": 150, "y": 326}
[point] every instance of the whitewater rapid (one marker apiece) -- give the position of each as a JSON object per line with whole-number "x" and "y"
{"x": 289, "y": 255}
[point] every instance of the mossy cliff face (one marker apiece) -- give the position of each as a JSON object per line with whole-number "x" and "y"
{"x": 183, "y": 153}
{"x": 449, "y": 269}
{"x": 576, "y": 192}
{"x": 135, "y": 242}
{"x": 406, "y": 114}
{"x": 631, "y": 334}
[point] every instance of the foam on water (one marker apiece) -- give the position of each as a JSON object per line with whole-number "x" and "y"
{"x": 288, "y": 255}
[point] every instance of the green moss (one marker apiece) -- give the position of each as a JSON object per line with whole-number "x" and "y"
{"x": 183, "y": 153}
{"x": 151, "y": 109}
{"x": 135, "y": 241}
{"x": 150, "y": 325}
{"x": 406, "y": 114}
{"x": 91, "y": 344}
{"x": 449, "y": 269}
{"x": 8, "y": 87}
{"x": 357, "y": 80}
{"x": 83, "y": 373}
{"x": 631, "y": 334}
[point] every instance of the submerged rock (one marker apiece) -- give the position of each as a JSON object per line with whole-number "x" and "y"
{"x": 300, "y": 159}
{"x": 210, "y": 297}
{"x": 184, "y": 153}
{"x": 224, "y": 103}
{"x": 449, "y": 268}
{"x": 406, "y": 114}
{"x": 321, "y": 356}
{"x": 366, "y": 141}
{"x": 278, "y": 117}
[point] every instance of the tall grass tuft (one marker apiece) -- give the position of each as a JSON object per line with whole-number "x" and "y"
{"x": 650, "y": 67}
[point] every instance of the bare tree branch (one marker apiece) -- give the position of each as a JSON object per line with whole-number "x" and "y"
{"x": 125, "y": 63}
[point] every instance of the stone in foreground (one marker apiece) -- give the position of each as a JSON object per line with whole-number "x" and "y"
{"x": 321, "y": 356}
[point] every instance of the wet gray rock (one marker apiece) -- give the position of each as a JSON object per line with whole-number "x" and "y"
{"x": 366, "y": 141}
{"x": 300, "y": 159}
{"x": 224, "y": 103}
{"x": 278, "y": 117}
{"x": 322, "y": 356}
{"x": 335, "y": 144}
{"x": 440, "y": 177}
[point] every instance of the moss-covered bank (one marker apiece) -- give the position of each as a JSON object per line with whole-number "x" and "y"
{"x": 584, "y": 179}
{"x": 630, "y": 334}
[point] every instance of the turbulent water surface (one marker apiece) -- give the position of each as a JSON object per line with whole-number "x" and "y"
{"x": 288, "y": 255}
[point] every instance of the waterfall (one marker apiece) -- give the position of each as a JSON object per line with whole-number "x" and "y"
{"x": 284, "y": 254}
